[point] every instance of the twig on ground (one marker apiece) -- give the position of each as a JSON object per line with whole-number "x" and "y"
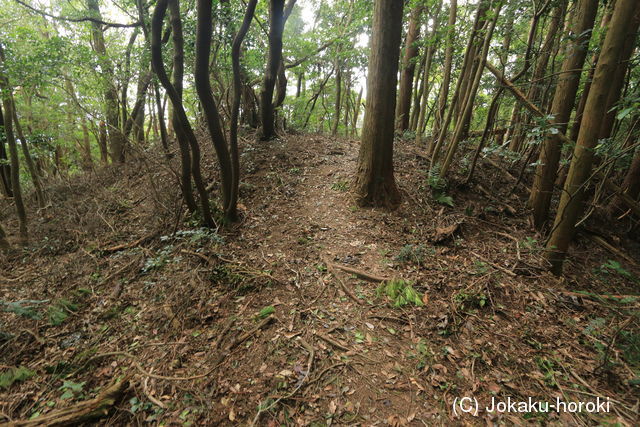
{"x": 309, "y": 349}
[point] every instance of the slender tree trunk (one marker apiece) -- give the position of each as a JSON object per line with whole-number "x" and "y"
{"x": 563, "y": 102}
{"x": 446, "y": 75}
{"x": 462, "y": 125}
{"x": 411, "y": 51}
{"x": 116, "y": 137}
{"x": 537, "y": 83}
{"x": 185, "y": 131}
{"x": 374, "y": 183}
{"x": 5, "y": 167}
{"x": 203, "y": 87}
{"x": 571, "y": 201}
{"x": 15, "y": 165}
{"x": 276, "y": 28}
{"x": 237, "y": 94}
{"x": 336, "y": 118}
{"x": 35, "y": 178}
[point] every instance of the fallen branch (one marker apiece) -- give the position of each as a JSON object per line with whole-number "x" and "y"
{"x": 129, "y": 245}
{"x": 608, "y": 246}
{"x": 83, "y": 411}
{"x": 358, "y": 273}
{"x": 494, "y": 265}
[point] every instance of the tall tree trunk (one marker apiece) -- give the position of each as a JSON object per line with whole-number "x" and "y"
{"x": 5, "y": 167}
{"x": 336, "y": 118}
{"x": 467, "y": 63}
{"x": 427, "y": 71}
{"x": 408, "y": 69}
{"x": 204, "y": 32}
{"x": 35, "y": 178}
{"x": 446, "y": 75}
{"x": 15, "y": 163}
{"x": 618, "y": 78}
{"x": 563, "y": 102}
{"x": 276, "y": 28}
{"x": 237, "y": 94}
{"x": 462, "y": 125}
{"x": 117, "y": 140}
{"x": 374, "y": 182}
{"x": 595, "y": 110}
{"x": 537, "y": 83}
{"x": 182, "y": 122}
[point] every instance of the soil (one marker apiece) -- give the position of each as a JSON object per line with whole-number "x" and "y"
{"x": 259, "y": 322}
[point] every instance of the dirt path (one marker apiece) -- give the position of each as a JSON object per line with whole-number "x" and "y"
{"x": 267, "y": 329}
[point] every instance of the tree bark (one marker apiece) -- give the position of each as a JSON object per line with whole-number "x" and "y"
{"x": 446, "y": 75}
{"x": 595, "y": 109}
{"x": 276, "y": 28}
{"x": 374, "y": 182}
{"x": 116, "y": 138}
{"x": 5, "y": 167}
{"x": 563, "y": 102}
{"x": 408, "y": 69}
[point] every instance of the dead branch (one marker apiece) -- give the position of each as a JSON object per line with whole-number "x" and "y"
{"x": 83, "y": 411}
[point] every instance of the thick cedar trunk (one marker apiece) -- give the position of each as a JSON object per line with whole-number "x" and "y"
{"x": 446, "y": 75}
{"x": 563, "y": 102}
{"x": 595, "y": 110}
{"x": 618, "y": 77}
{"x": 276, "y": 28}
{"x": 575, "y": 128}
{"x": 116, "y": 137}
{"x": 408, "y": 69}
{"x": 374, "y": 183}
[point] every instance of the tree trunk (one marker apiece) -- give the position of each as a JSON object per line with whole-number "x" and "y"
{"x": 15, "y": 164}
{"x": 204, "y": 31}
{"x": 446, "y": 75}
{"x": 35, "y": 178}
{"x": 182, "y": 122}
{"x": 571, "y": 201}
{"x": 276, "y": 28}
{"x": 408, "y": 69}
{"x": 467, "y": 105}
{"x": 5, "y": 168}
{"x": 563, "y": 102}
{"x": 336, "y": 118}
{"x": 237, "y": 94}
{"x": 116, "y": 137}
{"x": 537, "y": 78}
{"x": 374, "y": 182}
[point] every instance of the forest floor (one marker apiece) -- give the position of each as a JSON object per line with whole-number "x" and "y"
{"x": 260, "y": 323}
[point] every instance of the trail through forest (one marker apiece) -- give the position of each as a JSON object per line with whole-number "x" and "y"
{"x": 124, "y": 304}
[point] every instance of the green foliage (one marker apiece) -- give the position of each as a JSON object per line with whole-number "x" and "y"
{"x": 341, "y": 186}
{"x": 22, "y": 309}
{"x": 413, "y": 254}
{"x": 400, "y": 293}
{"x": 12, "y": 375}
{"x": 614, "y": 268}
{"x": 58, "y": 312}
{"x": 266, "y": 312}
{"x": 71, "y": 389}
